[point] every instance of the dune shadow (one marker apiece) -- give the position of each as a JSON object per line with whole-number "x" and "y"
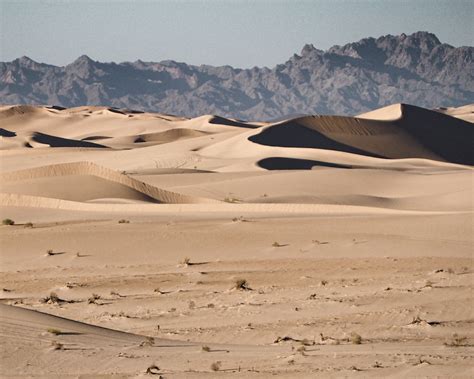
{"x": 54, "y": 141}
{"x": 279, "y": 163}
{"x": 7, "y": 133}
{"x": 293, "y": 134}
{"x": 225, "y": 121}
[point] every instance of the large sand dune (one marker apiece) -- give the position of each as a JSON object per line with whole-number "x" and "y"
{"x": 342, "y": 226}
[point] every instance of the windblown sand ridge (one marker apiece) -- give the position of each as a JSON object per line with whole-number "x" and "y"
{"x": 319, "y": 246}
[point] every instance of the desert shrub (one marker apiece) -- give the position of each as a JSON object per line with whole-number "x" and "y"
{"x": 93, "y": 299}
{"x": 8, "y": 221}
{"x": 123, "y": 221}
{"x": 54, "y": 331}
{"x": 241, "y": 284}
{"x": 186, "y": 261}
{"x": 457, "y": 341}
{"x": 57, "y": 345}
{"x": 216, "y": 366}
{"x": 28, "y": 225}
{"x": 205, "y": 348}
{"x": 153, "y": 370}
{"x": 356, "y": 339}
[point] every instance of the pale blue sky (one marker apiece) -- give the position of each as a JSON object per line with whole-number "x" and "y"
{"x": 238, "y": 33}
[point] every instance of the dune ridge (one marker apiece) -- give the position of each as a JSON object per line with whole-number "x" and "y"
{"x": 89, "y": 168}
{"x": 17, "y": 200}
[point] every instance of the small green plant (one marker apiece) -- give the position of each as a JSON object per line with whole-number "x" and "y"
{"x": 54, "y": 331}
{"x": 241, "y": 284}
{"x": 206, "y": 348}
{"x": 8, "y": 221}
{"x": 216, "y": 366}
{"x": 123, "y": 221}
{"x": 28, "y": 225}
{"x": 356, "y": 339}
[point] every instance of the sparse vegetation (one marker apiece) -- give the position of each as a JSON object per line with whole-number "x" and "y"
{"x": 276, "y": 244}
{"x": 8, "y": 221}
{"x": 49, "y": 252}
{"x": 216, "y": 366}
{"x": 123, "y": 221}
{"x": 191, "y": 304}
{"x": 206, "y": 348}
{"x": 28, "y": 225}
{"x": 53, "y": 298}
{"x": 301, "y": 349}
{"x": 457, "y": 341}
{"x": 54, "y": 331}
{"x": 355, "y": 338}
{"x": 324, "y": 282}
{"x": 149, "y": 341}
{"x": 57, "y": 345}
{"x": 153, "y": 370}
{"x": 241, "y": 284}
{"x": 306, "y": 342}
{"x": 93, "y": 299}
{"x": 186, "y": 261}
{"x": 232, "y": 199}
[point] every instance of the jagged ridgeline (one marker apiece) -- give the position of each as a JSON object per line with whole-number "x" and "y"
{"x": 346, "y": 80}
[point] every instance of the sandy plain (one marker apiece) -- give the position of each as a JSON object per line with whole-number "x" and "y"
{"x": 321, "y": 246}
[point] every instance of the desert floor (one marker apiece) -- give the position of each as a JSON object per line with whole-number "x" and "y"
{"x": 144, "y": 239}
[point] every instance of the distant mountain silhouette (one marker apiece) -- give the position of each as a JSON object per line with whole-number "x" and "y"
{"x": 350, "y": 79}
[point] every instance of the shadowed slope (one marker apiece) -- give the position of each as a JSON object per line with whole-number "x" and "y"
{"x": 416, "y": 133}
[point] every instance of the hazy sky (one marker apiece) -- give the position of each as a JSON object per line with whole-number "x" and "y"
{"x": 238, "y": 33}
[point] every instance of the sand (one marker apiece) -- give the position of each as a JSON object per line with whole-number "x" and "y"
{"x": 354, "y": 237}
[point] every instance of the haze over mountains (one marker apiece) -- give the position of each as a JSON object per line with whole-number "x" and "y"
{"x": 346, "y": 80}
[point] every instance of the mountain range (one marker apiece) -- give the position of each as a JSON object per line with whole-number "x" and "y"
{"x": 346, "y": 80}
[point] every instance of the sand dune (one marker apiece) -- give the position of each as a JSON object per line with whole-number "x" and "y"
{"x": 142, "y": 224}
{"x": 416, "y": 133}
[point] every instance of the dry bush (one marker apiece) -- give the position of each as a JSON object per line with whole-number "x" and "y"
{"x": 123, "y": 221}
{"x": 206, "y": 348}
{"x": 457, "y": 341}
{"x": 8, "y": 221}
{"x": 53, "y": 298}
{"x": 241, "y": 284}
{"x": 93, "y": 299}
{"x": 54, "y": 331}
{"x": 153, "y": 370}
{"x": 186, "y": 261}
{"x": 356, "y": 339}
{"x": 57, "y": 345}
{"x": 149, "y": 341}
{"x": 216, "y": 366}
{"x": 28, "y": 225}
